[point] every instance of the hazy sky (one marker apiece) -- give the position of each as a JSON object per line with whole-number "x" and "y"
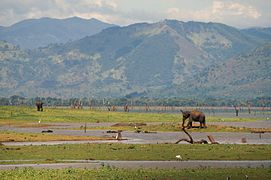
{"x": 238, "y": 13}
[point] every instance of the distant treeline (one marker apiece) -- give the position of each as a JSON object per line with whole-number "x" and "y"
{"x": 140, "y": 101}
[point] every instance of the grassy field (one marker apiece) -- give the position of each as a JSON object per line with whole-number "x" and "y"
{"x": 7, "y": 136}
{"x": 18, "y": 115}
{"x": 128, "y": 152}
{"x": 116, "y": 173}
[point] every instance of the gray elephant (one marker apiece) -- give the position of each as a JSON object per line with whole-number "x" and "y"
{"x": 194, "y": 116}
{"x": 39, "y": 105}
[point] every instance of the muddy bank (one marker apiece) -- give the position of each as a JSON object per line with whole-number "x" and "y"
{"x": 150, "y": 138}
{"x": 159, "y": 137}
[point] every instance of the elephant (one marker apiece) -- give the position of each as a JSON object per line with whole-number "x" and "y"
{"x": 194, "y": 115}
{"x": 39, "y": 106}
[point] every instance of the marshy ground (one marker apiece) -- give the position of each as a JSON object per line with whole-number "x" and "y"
{"x": 82, "y": 135}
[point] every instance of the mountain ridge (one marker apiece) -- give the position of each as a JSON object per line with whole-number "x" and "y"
{"x": 167, "y": 58}
{"x": 33, "y": 33}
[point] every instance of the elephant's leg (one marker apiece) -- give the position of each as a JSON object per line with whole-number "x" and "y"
{"x": 203, "y": 122}
{"x": 189, "y": 124}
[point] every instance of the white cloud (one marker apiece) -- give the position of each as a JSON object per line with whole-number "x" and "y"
{"x": 175, "y": 13}
{"x": 12, "y": 11}
{"x": 234, "y": 9}
{"x": 123, "y": 12}
{"x": 228, "y": 12}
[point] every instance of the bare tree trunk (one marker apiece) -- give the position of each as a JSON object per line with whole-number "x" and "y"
{"x": 190, "y": 140}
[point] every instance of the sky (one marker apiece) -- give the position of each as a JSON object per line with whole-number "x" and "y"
{"x": 237, "y": 13}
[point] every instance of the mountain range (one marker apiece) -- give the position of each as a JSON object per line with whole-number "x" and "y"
{"x": 33, "y": 33}
{"x": 169, "y": 58}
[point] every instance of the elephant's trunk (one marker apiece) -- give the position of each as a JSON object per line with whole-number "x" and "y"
{"x": 183, "y": 117}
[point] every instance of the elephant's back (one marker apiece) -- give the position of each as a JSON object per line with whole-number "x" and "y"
{"x": 197, "y": 115}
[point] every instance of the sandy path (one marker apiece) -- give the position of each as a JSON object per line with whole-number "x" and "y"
{"x": 145, "y": 164}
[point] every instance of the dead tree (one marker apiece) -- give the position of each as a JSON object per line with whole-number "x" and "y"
{"x": 90, "y": 103}
{"x": 190, "y": 140}
{"x": 147, "y": 108}
{"x": 80, "y": 104}
{"x": 249, "y": 108}
{"x": 236, "y": 108}
{"x": 263, "y": 105}
{"x": 126, "y": 108}
{"x": 114, "y": 108}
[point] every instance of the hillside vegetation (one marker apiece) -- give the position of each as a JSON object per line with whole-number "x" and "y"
{"x": 164, "y": 59}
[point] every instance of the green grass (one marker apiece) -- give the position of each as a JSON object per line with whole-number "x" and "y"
{"x": 16, "y": 115}
{"x": 136, "y": 152}
{"x": 117, "y": 173}
{"x": 7, "y": 136}
{"x": 29, "y": 114}
{"x": 172, "y": 127}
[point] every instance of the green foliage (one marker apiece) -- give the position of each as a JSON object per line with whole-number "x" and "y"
{"x": 25, "y": 114}
{"x": 171, "y": 127}
{"x": 128, "y": 152}
{"x": 29, "y": 114}
{"x": 117, "y": 173}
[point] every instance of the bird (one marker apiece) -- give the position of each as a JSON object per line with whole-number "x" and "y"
{"x": 179, "y": 157}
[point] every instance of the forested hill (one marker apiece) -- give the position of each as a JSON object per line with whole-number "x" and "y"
{"x": 164, "y": 59}
{"x": 33, "y": 33}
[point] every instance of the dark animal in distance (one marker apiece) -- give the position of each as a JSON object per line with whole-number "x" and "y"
{"x": 39, "y": 105}
{"x": 126, "y": 108}
{"x": 194, "y": 115}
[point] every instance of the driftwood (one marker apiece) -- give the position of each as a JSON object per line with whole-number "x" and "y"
{"x": 191, "y": 141}
{"x": 47, "y": 131}
{"x": 211, "y": 139}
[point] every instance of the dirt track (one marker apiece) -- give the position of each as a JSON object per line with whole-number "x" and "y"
{"x": 145, "y": 164}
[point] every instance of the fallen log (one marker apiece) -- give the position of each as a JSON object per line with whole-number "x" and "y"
{"x": 211, "y": 139}
{"x": 190, "y": 140}
{"x": 47, "y": 131}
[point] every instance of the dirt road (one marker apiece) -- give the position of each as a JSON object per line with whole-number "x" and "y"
{"x": 144, "y": 164}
